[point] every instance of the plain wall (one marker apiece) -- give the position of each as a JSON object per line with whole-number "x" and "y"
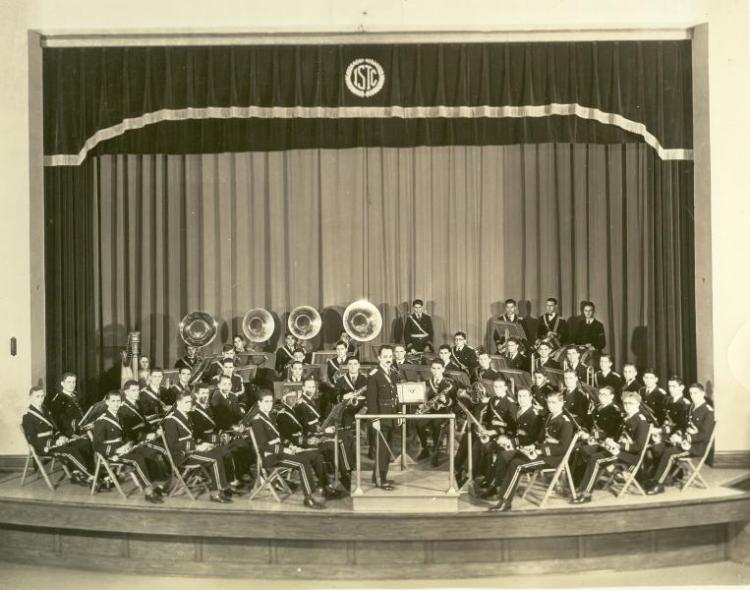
{"x": 723, "y": 272}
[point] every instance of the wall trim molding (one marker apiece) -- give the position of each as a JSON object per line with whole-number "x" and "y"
{"x": 731, "y": 459}
{"x": 12, "y": 462}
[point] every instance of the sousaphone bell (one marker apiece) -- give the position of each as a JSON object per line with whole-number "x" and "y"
{"x": 198, "y": 329}
{"x": 304, "y": 322}
{"x": 362, "y": 321}
{"x": 258, "y": 325}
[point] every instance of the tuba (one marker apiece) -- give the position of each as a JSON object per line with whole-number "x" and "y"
{"x": 258, "y": 325}
{"x": 304, "y": 322}
{"x": 362, "y": 321}
{"x": 198, "y": 329}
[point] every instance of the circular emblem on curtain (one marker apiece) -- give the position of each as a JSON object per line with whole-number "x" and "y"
{"x": 364, "y": 77}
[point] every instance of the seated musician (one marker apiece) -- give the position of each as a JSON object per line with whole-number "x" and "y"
{"x": 67, "y": 406}
{"x": 502, "y": 408}
{"x": 525, "y": 431}
{"x": 539, "y": 391}
{"x": 274, "y": 452}
{"x": 418, "y": 332}
{"x": 691, "y": 442}
{"x": 144, "y": 370}
{"x": 625, "y": 446}
{"x": 186, "y": 451}
{"x": 237, "y": 386}
{"x": 551, "y": 325}
{"x": 577, "y": 402}
{"x": 544, "y": 358}
{"x": 206, "y": 428}
{"x": 653, "y": 396}
{"x": 241, "y": 348}
{"x": 589, "y": 331}
{"x": 606, "y": 377}
{"x": 605, "y": 422}
{"x": 110, "y": 442}
{"x": 478, "y": 406}
{"x": 151, "y": 398}
{"x": 462, "y": 355}
{"x": 295, "y": 372}
{"x": 631, "y": 382}
{"x": 510, "y": 315}
{"x": 42, "y": 432}
{"x": 351, "y": 345}
{"x": 485, "y": 372}
{"x": 284, "y": 354}
{"x": 190, "y": 360}
{"x": 227, "y": 410}
{"x": 441, "y": 394}
{"x": 573, "y": 363}
{"x": 183, "y": 384}
{"x": 551, "y": 446}
{"x": 399, "y": 360}
{"x": 514, "y": 358}
{"x": 444, "y": 354}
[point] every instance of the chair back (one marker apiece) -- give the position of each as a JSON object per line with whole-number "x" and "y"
{"x": 259, "y": 469}
{"x": 709, "y": 445}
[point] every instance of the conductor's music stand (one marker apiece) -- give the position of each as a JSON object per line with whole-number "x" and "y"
{"x": 409, "y": 392}
{"x": 509, "y": 330}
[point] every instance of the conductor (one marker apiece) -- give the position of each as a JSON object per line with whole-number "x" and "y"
{"x": 382, "y": 399}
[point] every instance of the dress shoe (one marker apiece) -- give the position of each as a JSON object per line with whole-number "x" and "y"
{"x": 247, "y": 478}
{"x": 385, "y": 486}
{"x": 582, "y": 499}
{"x": 487, "y": 493}
{"x": 153, "y": 498}
{"x": 330, "y": 493}
{"x": 656, "y": 489}
{"x": 238, "y": 491}
{"x": 159, "y": 491}
{"x": 311, "y": 502}
{"x": 220, "y": 498}
{"x": 502, "y": 506}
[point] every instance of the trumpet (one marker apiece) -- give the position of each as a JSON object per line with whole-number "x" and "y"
{"x": 504, "y": 443}
{"x": 611, "y": 446}
{"x": 530, "y": 451}
{"x": 439, "y": 402}
{"x": 484, "y": 434}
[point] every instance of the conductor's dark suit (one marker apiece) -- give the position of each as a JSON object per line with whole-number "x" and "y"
{"x": 382, "y": 398}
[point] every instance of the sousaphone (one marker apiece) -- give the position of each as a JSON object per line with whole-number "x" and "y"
{"x": 304, "y": 322}
{"x": 258, "y": 325}
{"x": 198, "y": 329}
{"x": 362, "y": 321}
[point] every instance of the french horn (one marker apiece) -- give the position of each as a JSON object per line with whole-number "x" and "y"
{"x": 304, "y": 322}
{"x": 198, "y": 329}
{"x": 362, "y": 321}
{"x": 258, "y": 325}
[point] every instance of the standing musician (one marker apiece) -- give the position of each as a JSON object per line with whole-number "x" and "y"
{"x": 151, "y": 398}
{"x": 285, "y": 354}
{"x": 484, "y": 371}
{"x": 545, "y": 360}
{"x": 418, "y": 332}
{"x": 110, "y": 442}
{"x": 589, "y": 331}
{"x": 631, "y": 382}
{"x": 551, "y": 324}
{"x": 66, "y": 406}
{"x": 551, "y": 446}
{"x": 42, "y": 432}
{"x": 511, "y": 316}
{"x": 382, "y": 398}
{"x": 183, "y": 384}
{"x": 351, "y": 388}
{"x": 539, "y": 391}
{"x": 624, "y": 447}
{"x": 462, "y": 355}
{"x": 573, "y": 363}
{"x": 514, "y": 357}
{"x": 441, "y": 395}
{"x": 577, "y": 402}
{"x": 206, "y": 429}
{"x": 527, "y": 427}
{"x": 185, "y": 451}
{"x": 691, "y": 442}
{"x": 274, "y": 452}
{"x": 606, "y": 377}
{"x": 653, "y": 396}
{"x": 190, "y": 360}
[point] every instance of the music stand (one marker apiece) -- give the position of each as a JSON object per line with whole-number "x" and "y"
{"x": 320, "y": 357}
{"x": 519, "y": 379}
{"x": 409, "y": 392}
{"x": 459, "y": 378}
{"x": 246, "y": 372}
{"x": 281, "y": 388}
{"x": 416, "y": 372}
{"x": 509, "y": 330}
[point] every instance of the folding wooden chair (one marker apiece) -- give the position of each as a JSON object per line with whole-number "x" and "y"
{"x": 695, "y": 477}
{"x": 114, "y": 471}
{"x": 630, "y": 472}
{"x": 557, "y": 472}
{"x": 38, "y": 461}
{"x": 191, "y": 480}
{"x": 265, "y": 479}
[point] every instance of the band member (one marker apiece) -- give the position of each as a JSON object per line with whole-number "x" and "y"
{"x": 351, "y": 345}
{"x": 273, "y": 452}
{"x": 382, "y": 398}
{"x": 227, "y": 370}
{"x": 462, "y": 355}
{"x": 573, "y": 363}
{"x": 41, "y": 431}
{"x": 217, "y": 367}
{"x": 135, "y": 427}
{"x": 527, "y": 427}
{"x": 351, "y": 388}
{"x": 589, "y": 331}
{"x": 653, "y": 396}
{"x": 284, "y": 354}
{"x": 226, "y": 408}
{"x": 539, "y": 391}
{"x": 150, "y": 400}
{"x": 485, "y": 372}
{"x": 190, "y": 360}
{"x": 241, "y": 348}
{"x": 551, "y": 447}
{"x": 624, "y": 447}
{"x": 481, "y": 444}
{"x": 606, "y": 377}
{"x": 577, "y": 402}
{"x": 110, "y": 442}
{"x": 510, "y": 315}
{"x": 606, "y": 417}
{"x": 691, "y": 442}
{"x": 185, "y": 451}
{"x": 444, "y": 353}
{"x": 295, "y": 372}
{"x": 66, "y": 406}
{"x": 502, "y": 408}
{"x": 441, "y": 394}
{"x": 514, "y": 357}
{"x": 144, "y": 370}
{"x": 544, "y": 358}
{"x": 631, "y": 382}
{"x": 336, "y": 366}
{"x": 183, "y": 384}
{"x": 418, "y": 332}
{"x": 551, "y": 324}
{"x": 399, "y": 360}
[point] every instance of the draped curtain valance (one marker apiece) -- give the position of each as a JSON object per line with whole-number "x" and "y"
{"x": 249, "y": 98}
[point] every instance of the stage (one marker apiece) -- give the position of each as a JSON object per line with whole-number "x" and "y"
{"x": 264, "y": 539}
